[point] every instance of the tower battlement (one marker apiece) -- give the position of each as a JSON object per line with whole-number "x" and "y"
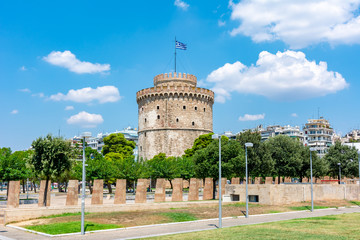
{"x": 175, "y": 77}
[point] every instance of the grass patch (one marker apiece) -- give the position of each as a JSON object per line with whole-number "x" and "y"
{"x": 241, "y": 204}
{"x": 70, "y": 227}
{"x": 336, "y": 227}
{"x": 64, "y": 215}
{"x": 355, "y": 202}
{"x": 179, "y": 216}
{"x": 274, "y": 211}
{"x": 300, "y": 208}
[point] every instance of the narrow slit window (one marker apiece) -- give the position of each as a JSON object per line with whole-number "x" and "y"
{"x": 193, "y": 123}
{"x": 195, "y": 108}
{"x": 204, "y": 109}
{"x": 158, "y": 117}
{"x": 145, "y": 119}
{"x": 184, "y": 107}
{"x": 177, "y": 120}
{"x": 157, "y": 107}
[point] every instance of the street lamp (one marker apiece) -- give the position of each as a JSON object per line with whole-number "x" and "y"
{"x": 339, "y": 172}
{"x": 248, "y": 144}
{"x": 84, "y": 136}
{"x": 217, "y": 136}
{"x": 312, "y": 149}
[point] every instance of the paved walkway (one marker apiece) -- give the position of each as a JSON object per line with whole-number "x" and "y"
{"x": 8, "y": 233}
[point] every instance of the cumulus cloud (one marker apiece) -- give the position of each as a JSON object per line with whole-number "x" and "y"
{"x": 68, "y": 108}
{"x": 181, "y": 4}
{"x": 298, "y": 23}
{"x": 15, "y": 111}
{"x": 68, "y": 60}
{"x": 85, "y": 120}
{"x": 294, "y": 115}
{"x": 249, "y": 117}
{"x": 86, "y": 95}
{"x": 284, "y": 76}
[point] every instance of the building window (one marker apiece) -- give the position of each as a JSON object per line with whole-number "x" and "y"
{"x": 195, "y": 108}
{"x": 158, "y": 117}
{"x": 184, "y": 107}
{"x": 193, "y": 123}
{"x": 204, "y": 109}
{"x": 177, "y": 120}
{"x": 157, "y": 107}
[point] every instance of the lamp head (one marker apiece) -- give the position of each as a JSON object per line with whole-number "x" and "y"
{"x": 339, "y": 164}
{"x": 215, "y": 136}
{"x": 312, "y": 149}
{"x": 249, "y": 144}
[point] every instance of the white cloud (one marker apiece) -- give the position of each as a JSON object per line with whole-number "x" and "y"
{"x": 68, "y": 108}
{"x": 86, "y": 120}
{"x": 86, "y": 95}
{"x": 294, "y": 115}
{"x": 181, "y": 4}
{"x": 221, "y": 23}
{"x": 298, "y": 23}
{"x": 15, "y": 111}
{"x": 284, "y": 76}
{"x": 25, "y": 90}
{"x": 40, "y": 95}
{"x": 249, "y": 117}
{"x": 68, "y": 60}
{"x": 23, "y": 68}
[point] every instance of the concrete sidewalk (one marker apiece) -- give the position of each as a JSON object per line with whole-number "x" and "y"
{"x": 7, "y": 233}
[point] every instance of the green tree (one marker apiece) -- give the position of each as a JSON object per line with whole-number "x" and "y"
{"x": 319, "y": 165}
{"x": 51, "y": 158}
{"x": 201, "y": 142}
{"x": 17, "y": 168}
{"x": 346, "y": 156}
{"x": 207, "y": 160}
{"x": 117, "y": 143}
{"x": 286, "y": 154}
{"x": 161, "y": 166}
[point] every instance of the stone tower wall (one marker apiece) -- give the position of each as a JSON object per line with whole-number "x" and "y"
{"x": 172, "y": 115}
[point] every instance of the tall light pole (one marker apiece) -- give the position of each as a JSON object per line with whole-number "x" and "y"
{"x": 311, "y": 180}
{"x": 84, "y": 136}
{"x": 248, "y": 144}
{"x": 339, "y": 172}
{"x": 217, "y": 136}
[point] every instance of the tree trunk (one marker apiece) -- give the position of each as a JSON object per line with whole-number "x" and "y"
{"x": 23, "y": 185}
{"x": 34, "y": 186}
{"x": 171, "y": 184}
{"x": 109, "y": 187}
{"x": 66, "y": 184}
{"x": 46, "y": 190}
{"x": 7, "y": 190}
{"x": 214, "y": 189}
{"x": 90, "y": 188}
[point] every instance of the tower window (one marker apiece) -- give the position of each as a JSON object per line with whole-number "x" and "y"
{"x": 145, "y": 134}
{"x": 157, "y": 107}
{"x": 158, "y": 117}
{"x": 195, "y": 108}
{"x": 184, "y": 107}
{"x": 145, "y": 119}
{"x": 177, "y": 120}
{"x": 193, "y": 123}
{"x": 204, "y": 109}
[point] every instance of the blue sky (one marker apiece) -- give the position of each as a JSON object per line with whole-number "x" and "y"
{"x": 76, "y": 66}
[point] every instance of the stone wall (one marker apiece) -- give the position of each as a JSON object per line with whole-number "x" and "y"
{"x": 277, "y": 194}
{"x": 172, "y": 115}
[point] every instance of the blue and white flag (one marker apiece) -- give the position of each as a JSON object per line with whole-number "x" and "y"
{"x": 180, "y": 45}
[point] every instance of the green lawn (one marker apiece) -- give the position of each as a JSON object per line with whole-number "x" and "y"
{"x": 345, "y": 226}
{"x": 179, "y": 216}
{"x": 70, "y": 227}
{"x": 300, "y": 208}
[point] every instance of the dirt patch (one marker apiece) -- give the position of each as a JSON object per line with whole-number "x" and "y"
{"x": 139, "y": 218}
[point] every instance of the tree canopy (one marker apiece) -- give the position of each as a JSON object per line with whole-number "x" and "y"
{"x": 117, "y": 143}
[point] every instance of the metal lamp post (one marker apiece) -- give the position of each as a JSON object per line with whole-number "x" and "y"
{"x": 311, "y": 180}
{"x": 339, "y": 172}
{"x": 217, "y": 136}
{"x": 248, "y": 144}
{"x": 84, "y": 136}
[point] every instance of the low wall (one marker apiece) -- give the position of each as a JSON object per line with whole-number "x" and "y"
{"x": 23, "y": 214}
{"x": 290, "y": 193}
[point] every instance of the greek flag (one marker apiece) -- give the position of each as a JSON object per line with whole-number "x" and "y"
{"x": 180, "y": 45}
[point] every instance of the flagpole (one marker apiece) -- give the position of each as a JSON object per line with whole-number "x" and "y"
{"x": 175, "y": 53}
